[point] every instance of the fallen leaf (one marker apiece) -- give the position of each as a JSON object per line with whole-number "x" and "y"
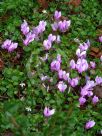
{"x": 1, "y": 64}
{"x": 43, "y": 3}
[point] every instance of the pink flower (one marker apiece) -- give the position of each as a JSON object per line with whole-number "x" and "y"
{"x": 29, "y": 38}
{"x": 55, "y": 26}
{"x": 48, "y": 112}
{"x": 72, "y": 64}
{"x": 92, "y": 64}
{"x": 57, "y": 15}
{"x": 82, "y": 65}
{"x": 58, "y": 40}
{"x": 81, "y": 54}
{"x": 41, "y": 26}
{"x": 51, "y": 38}
{"x": 9, "y": 45}
{"x": 59, "y": 58}
{"x": 74, "y": 81}
{"x": 12, "y": 47}
{"x": 90, "y": 124}
{"x": 25, "y": 28}
{"x": 101, "y": 58}
{"x": 47, "y": 44}
{"x": 98, "y": 80}
{"x": 63, "y": 75}
{"x": 100, "y": 38}
{"x": 95, "y": 99}
{"x": 61, "y": 86}
{"x": 84, "y": 46}
{"x": 64, "y": 25}
{"x": 90, "y": 93}
{"x": 55, "y": 65}
{"x": 6, "y": 44}
{"x": 82, "y": 100}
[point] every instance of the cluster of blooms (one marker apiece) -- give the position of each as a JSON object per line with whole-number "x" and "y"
{"x": 34, "y": 33}
{"x": 63, "y": 75}
{"x": 62, "y": 26}
{"x": 51, "y": 38}
{"x": 9, "y": 45}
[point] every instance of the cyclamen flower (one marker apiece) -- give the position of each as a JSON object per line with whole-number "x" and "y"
{"x": 101, "y": 58}
{"x": 72, "y": 64}
{"x": 63, "y": 75}
{"x": 90, "y": 93}
{"x": 29, "y": 38}
{"x": 73, "y": 82}
{"x": 61, "y": 86}
{"x": 58, "y": 40}
{"x": 59, "y": 58}
{"x": 100, "y": 38}
{"x": 90, "y": 124}
{"x": 25, "y": 28}
{"x": 51, "y": 38}
{"x": 55, "y": 26}
{"x": 64, "y": 25}
{"x": 82, "y": 100}
{"x": 92, "y": 64}
{"x": 81, "y": 65}
{"x": 95, "y": 99}
{"x": 47, "y": 44}
{"x": 81, "y": 54}
{"x": 6, "y": 44}
{"x": 9, "y": 45}
{"x": 48, "y": 112}
{"x": 55, "y": 65}
{"x": 84, "y": 46}
{"x": 41, "y": 26}
{"x": 98, "y": 80}
{"x": 57, "y": 15}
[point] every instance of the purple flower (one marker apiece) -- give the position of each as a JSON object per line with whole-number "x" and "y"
{"x": 100, "y": 38}
{"x": 12, "y": 47}
{"x": 57, "y": 15}
{"x": 41, "y": 26}
{"x": 90, "y": 93}
{"x": 55, "y": 26}
{"x": 9, "y": 45}
{"x": 47, "y": 44}
{"x": 48, "y": 112}
{"x": 92, "y": 64}
{"x": 81, "y": 65}
{"x": 81, "y": 54}
{"x": 51, "y": 38}
{"x": 61, "y": 86}
{"x": 64, "y": 25}
{"x": 29, "y": 38}
{"x": 84, "y": 46}
{"x": 101, "y": 58}
{"x": 59, "y": 58}
{"x": 86, "y": 89}
{"x": 72, "y": 64}
{"x": 74, "y": 81}
{"x": 25, "y": 28}
{"x": 98, "y": 80}
{"x": 6, "y": 44}
{"x": 90, "y": 124}
{"x": 82, "y": 100}
{"x": 95, "y": 99}
{"x": 58, "y": 40}
{"x": 55, "y": 65}
{"x": 63, "y": 75}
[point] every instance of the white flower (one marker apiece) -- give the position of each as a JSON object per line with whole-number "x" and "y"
{"x": 28, "y": 109}
{"x": 22, "y": 84}
{"x": 44, "y": 11}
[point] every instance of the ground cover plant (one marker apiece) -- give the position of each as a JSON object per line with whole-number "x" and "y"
{"x": 51, "y": 68}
